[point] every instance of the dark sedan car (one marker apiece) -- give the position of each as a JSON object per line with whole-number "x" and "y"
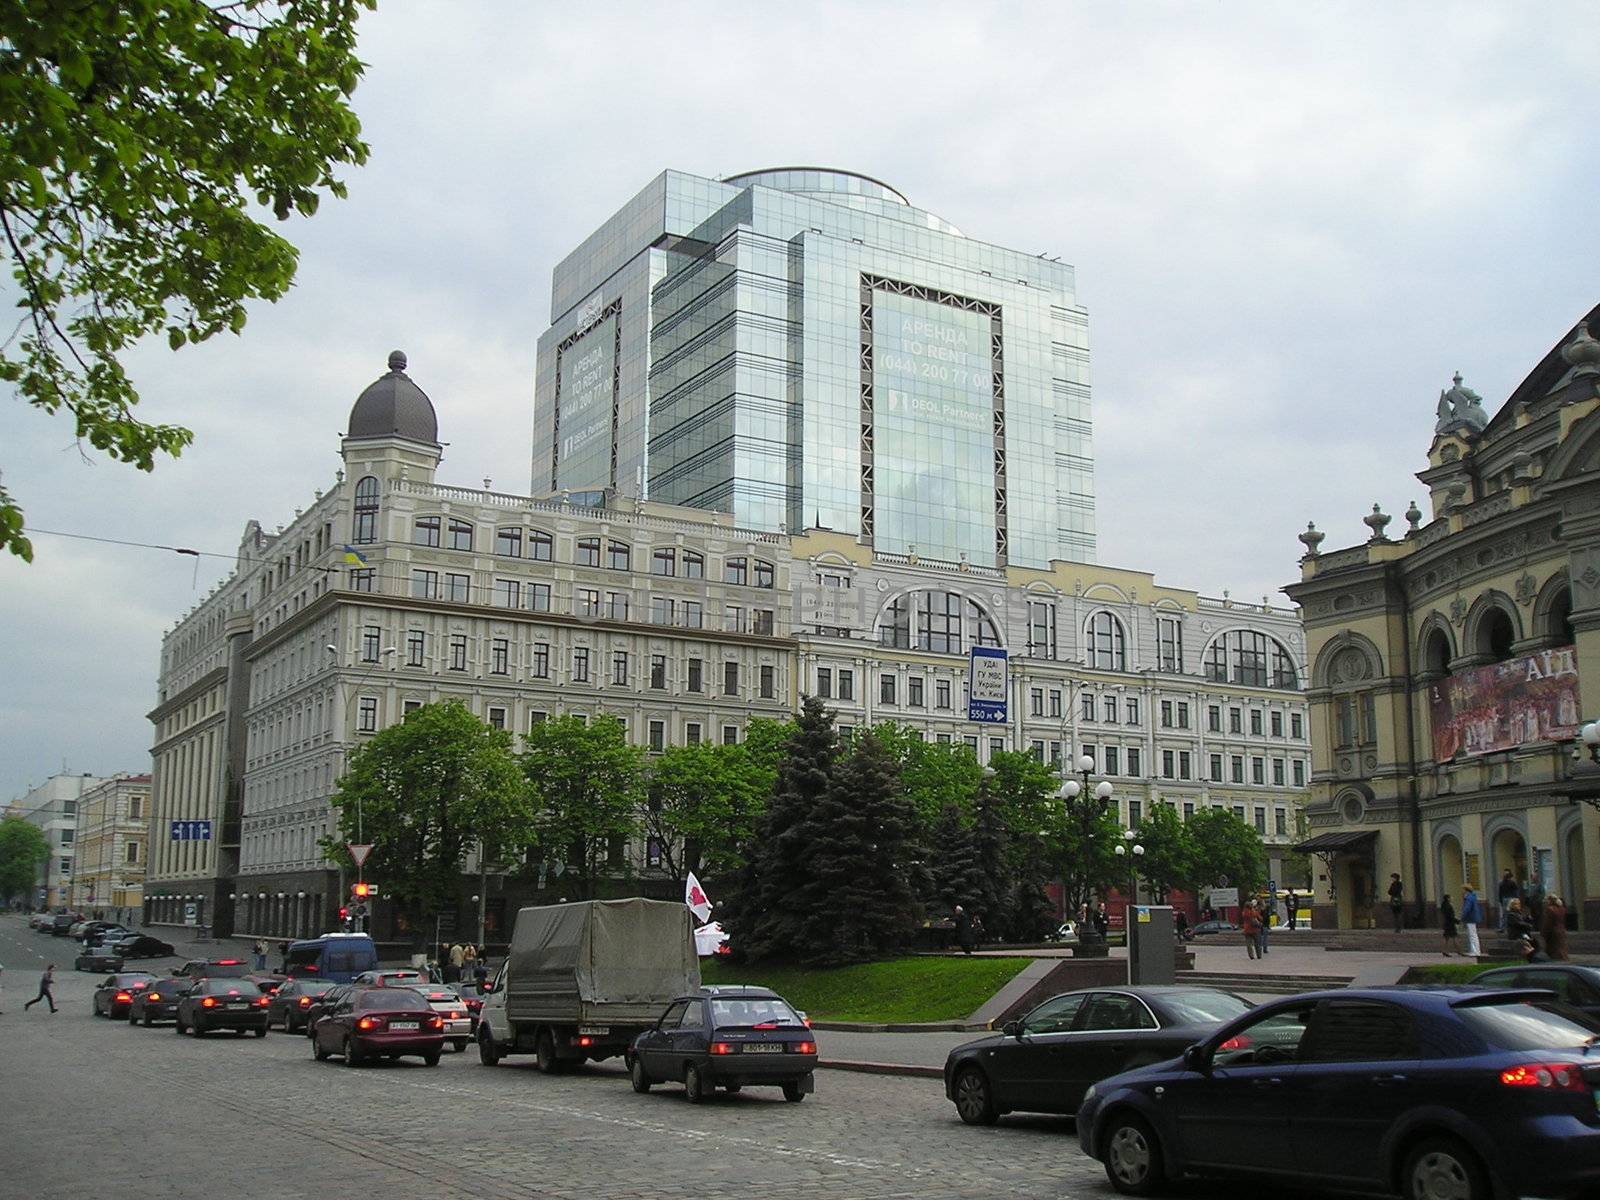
{"x": 114, "y": 996}
{"x": 727, "y": 1037}
{"x": 290, "y": 1005}
{"x": 222, "y": 1004}
{"x": 99, "y": 958}
{"x": 379, "y": 1023}
{"x": 1460, "y": 1093}
{"x": 142, "y": 945}
{"x": 213, "y": 968}
{"x": 323, "y": 1004}
{"x": 1572, "y": 983}
{"x": 158, "y": 1003}
{"x": 1047, "y": 1060}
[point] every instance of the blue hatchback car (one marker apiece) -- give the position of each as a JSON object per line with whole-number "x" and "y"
{"x": 1430, "y": 1093}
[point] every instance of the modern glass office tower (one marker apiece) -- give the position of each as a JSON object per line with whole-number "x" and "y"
{"x": 804, "y": 349}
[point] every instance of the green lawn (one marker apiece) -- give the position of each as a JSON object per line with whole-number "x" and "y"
{"x": 899, "y": 990}
{"x": 1451, "y": 972}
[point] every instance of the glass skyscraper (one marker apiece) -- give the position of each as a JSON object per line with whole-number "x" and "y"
{"x": 805, "y": 348}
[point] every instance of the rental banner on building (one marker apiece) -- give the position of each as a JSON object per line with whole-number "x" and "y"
{"x": 1529, "y": 699}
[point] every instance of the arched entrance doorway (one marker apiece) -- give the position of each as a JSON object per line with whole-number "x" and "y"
{"x": 1574, "y": 870}
{"x": 1450, "y": 873}
{"x": 1507, "y": 852}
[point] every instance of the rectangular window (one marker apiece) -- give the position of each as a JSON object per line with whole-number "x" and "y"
{"x": 734, "y": 571}
{"x": 1055, "y": 703}
{"x": 1216, "y": 768}
{"x": 1169, "y": 764}
{"x": 1238, "y": 812}
{"x": 1092, "y": 752}
{"x": 1261, "y": 820}
{"x": 458, "y": 588}
{"x": 133, "y": 852}
{"x": 996, "y": 746}
{"x": 508, "y": 542}
{"x": 691, "y": 733}
{"x": 1277, "y": 772}
{"x": 1280, "y": 822}
{"x": 1277, "y": 724}
{"x": 1169, "y": 644}
{"x": 1258, "y": 770}
{"x": 1130, "y": 710}
{"x": 1188, "y": 809}
{"x": 539, "y": 668}
{"x": 1255, "y": 722}
{"x": 1036, "y": 749}
{"x": 733, "y": 618}
{"x": 847, "y": 684}
{"x": 694, "y": 674}
{"x": 824, "y": 683}
{"x": 1369, "y": 719}
{"x": 1108, "y": 707}
{"x": 460, "y": 535}
{"x": 693, "y": 614}
{"x": 1087, "y": 706}
{"x": 617, "y": 556}
{"x": 658, "y": 671}
{"x": 941, "y": 693}
{"x": 500, "y": 656}
{"x": 536, "y": 719}
{"x": 1135, "y": 762}
{"x": 694, "y": 565}
{"x": 768, "y": 682}
{"x": 886, "y": 689}
{"x": 1299, "y": 773}
{"x": 762, "y": 621}
{"x": 764, "y": 573}
{"x": 730, "y": 679}
{"x": 407, "y": 707}
{"x": 580, "y": 664}
{"x": 661, "y": 610}
{"x": 1213, "y": 719}
{"x": 1236, "y": 765}
{"x": 1235, "y": 720}
{"x": 1036, "y": 702}
{"x": 367, "y": 715}
{"x": 664, "y": 562}
{"x": 915, "y": 696}
{"x": 538, "y": 597}
{"x": 507, "y": 593}
{"x": 1345, "y": 716}
{"x": 497, "y": 718}
{"x": 135, "y": 809}
{"x": 1112, "y": 756}
{"x": 1041, "y": 629}
{"x": 1296, "y": 726}
{"x": 1055, "y": 756}
{"x": 425, "y": 532}
{"x": 541, "y": 546}
{"x": 730, "y": 735}
{"x": 588, "y": 602}
{"x": 658, "y": 735}
{"x": 970, "y": 741}
{"x": 1166, "y": 714}
{"x": 617, "y": 606}
{"x": 1185, "y": 765}
{"x": 362, "y": 580}
{"x": 458, "y": 653}
{"x": 1183, "y": 714}
{"x": 1135, "y": 813}
{"x": 619, "y": 668}
{"x": 371, "y": 641}
{"x": 588, "y": 552}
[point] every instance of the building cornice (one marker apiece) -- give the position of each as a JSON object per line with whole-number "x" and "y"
{"x": 194, "y": 691}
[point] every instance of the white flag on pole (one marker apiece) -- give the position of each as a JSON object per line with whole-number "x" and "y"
{"x": 697, "y": 900}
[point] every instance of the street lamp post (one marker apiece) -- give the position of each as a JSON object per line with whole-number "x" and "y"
{"x": 1085, "y": 803}
{"x": 1133, "y": 851}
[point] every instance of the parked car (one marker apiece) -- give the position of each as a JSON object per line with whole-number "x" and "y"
{"x": 142, "y": 945}
{"x": 214, "y": 1003}
{"x": 726, "y": 1037}
{"x": 1046, "y": 1061}
{"x": 114, "y": 997}
{"x": 1207, "y": 928}
{"x": 91, "y": 932}
{"x": 396, "y": 978}
{"x": 290, "y": 1005}
{"x": 62, "y": 924}
{"x": 1572, "y": 983}
{"x": 379, "y": 1023}
{"x": 157, "y": 1003}
{"x": 97, "y": 959}
{"x": 1066, "y": 932}
{"x": 449, "y": 1005}
{"x": 213, "y": 968}
{"x": 1459, "y": 1092}
{"x": 322, "y": 1005}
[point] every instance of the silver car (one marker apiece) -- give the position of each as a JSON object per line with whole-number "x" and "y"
{"x": 450, "y": 1006}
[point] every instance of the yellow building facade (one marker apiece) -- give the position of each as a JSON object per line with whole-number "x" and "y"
{"x": 1452, "y": 666}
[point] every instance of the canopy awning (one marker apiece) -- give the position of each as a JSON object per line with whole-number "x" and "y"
{"x": 1344, "y": 841}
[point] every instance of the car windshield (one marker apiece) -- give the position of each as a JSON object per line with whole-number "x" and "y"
{"x": 753, "y": 1010}
{"x": 1203, "y": 1008}
{"x": 138, "y": 977}
{"x": 1527, "y": 1025}
{"x": 226, "y": 969}
{"x": 391, "y": 1000}
{"x": 225, "y": 987}
{"x": 306, "y": 987}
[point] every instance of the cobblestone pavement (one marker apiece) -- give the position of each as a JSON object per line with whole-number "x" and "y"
{"x": 226, "y": 1117}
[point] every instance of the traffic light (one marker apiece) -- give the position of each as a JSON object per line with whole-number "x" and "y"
{"x": 361, "y": 890}
{"x": 344, "y": 915}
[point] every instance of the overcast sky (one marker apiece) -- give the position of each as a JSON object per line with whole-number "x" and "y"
{"x": 1291, "y": 224}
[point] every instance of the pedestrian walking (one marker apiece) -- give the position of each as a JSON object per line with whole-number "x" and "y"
{"x": 1397, "y": 896}
{"x": 964, "y": 936}
{"x": 1250, "y": 922}
{"x": 47, "y": 981}
{"x": 1292, "y": 902}
{"x": 1102, "y": 921}
{"x": 1447, "y": 921}
{"x": 452, "y": 970}
{"x": 260, "y": 952}
{"x": 1471, "y": 917}
{"x": 1554, "y": 928}
{"x": 1506, "y": 893}
{"x": 469, "y": 958}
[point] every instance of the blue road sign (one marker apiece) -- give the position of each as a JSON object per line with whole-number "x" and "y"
{"x": 986, "y": 685}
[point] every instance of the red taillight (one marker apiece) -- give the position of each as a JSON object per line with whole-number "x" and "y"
{"x": 724, "y": 1048}
{"x": 263, "y": 1002}
{"x": 475, "y": 1005}
{"x": 1561, "y": 1077}
{"x": 123, "y": 998}
{"x": 305, "y": 1001}
{"x": 208, "y": 1002}
{"x": 153, "y": 996}
{"x": 1240, "y": 1042}
{"x": 765, "y": 1025}
{"x": 805, "y": 1047}
{"x": 230, "y": 962}
{"x": 435, "y": 1022}
{"x": 366, "y": 1023}
{"x": 586, "y": 1041}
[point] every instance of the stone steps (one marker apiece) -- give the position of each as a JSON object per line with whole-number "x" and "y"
{"x": 1271, "y": 985}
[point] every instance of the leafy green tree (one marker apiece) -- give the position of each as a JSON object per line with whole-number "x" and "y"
{"x": 1168, "y": 860}
{"x": 23, "y": 849}
{"x": 703, "y": 804}
{"x": 1226, "y": 847}
{"x": 586, "y": 784}
{"x": 135, "y": 141}
{"x": 934, "y": 775}
{"x": 1022, "y": 794}
{"x": 1086, "y": 859}
{"x": 423, "y": 794}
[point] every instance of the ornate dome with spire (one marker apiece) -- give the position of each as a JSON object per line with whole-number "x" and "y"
{"x": 394, "y": 407}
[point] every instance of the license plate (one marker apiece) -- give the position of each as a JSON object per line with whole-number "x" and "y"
{"x": 238, "y": 1004}
{"x": 593, "y": 1029}
{"x": 404, "y": 1026}
{"x": 763, "y": 1047}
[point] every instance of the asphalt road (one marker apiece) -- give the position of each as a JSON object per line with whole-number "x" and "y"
{"x": 89, "y": 1107}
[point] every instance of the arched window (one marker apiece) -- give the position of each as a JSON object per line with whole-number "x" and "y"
{"x": 366, "y": 523}
{"x": 425, "y": 531}
{"x": 937, "y": 621}
{"x": 1436, "y": 653}
{"x": 764, "y": 573}
{"x": 1495, "y": 635}
{"x": 460, "y": 535}
{"x": 735, "y": 570}
{"x": 1559, "y": 622}
{"x": 1106, "y": 643}
{"x": 508, "y": 541}
{"x": 1251, "y": 659}
{"x": 541, "y": 546}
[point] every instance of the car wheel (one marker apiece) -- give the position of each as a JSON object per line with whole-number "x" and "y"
{"x": 974, "y": 1098}
{"x": 351, "y": 1058}
{"x": 545, "y": 1054}
{"x": 149, "y": 1019}
{"x": 199, "y": 1029}
{"x": 177, "y": 1025}
{"x": 431, "y": 1058}
{"x": 261, "y": 1031}
{"x": 459, "y": 1045}
{"x": 317, "y": 1052}
{"x": 1133, "y": 1157}
{"x": 641, "y": 1077}
{"x": 1444, "y": 1169}
{"x": 793, "y": 1093}
{"x": 694, "y": 1084}
{"x": 488, "y": 1052}
{"x": 733, "y": 1089}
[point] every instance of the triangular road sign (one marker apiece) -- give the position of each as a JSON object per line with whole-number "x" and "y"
{"x": 358, "y": 853}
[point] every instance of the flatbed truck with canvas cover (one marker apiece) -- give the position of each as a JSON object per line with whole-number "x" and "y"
{"x": 583, "y": 979}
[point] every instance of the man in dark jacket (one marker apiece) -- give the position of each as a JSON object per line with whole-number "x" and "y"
{"x": 1397, "y": 896}
{"x": 46, "y": 982}
{"x": 1505, "y": 894}
{"x": 964, "y": 934}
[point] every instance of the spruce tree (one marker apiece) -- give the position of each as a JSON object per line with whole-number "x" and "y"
{"x": 957, "y": 875}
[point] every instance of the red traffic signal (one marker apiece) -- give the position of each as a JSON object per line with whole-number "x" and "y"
{"x": 361, "y": 890}
{"x": 344, "y": 914}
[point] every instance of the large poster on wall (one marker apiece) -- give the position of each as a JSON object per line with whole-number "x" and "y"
{"x": 586, "y": 398}
{"x": 1529, "y": 699}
